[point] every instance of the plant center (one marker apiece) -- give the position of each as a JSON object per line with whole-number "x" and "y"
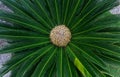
{"x": 60, "y": 35}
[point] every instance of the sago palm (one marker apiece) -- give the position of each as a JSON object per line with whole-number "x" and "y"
{"x": 60, "y": 38}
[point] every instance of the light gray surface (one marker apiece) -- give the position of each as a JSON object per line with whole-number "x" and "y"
{"x": 116, "y": 10}
{"x": 5, "y": 57}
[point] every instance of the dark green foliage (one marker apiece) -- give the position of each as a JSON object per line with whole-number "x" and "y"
{"x": 94, "y": 44}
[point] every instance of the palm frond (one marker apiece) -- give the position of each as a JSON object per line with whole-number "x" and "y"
{"x": 95, "y": 40}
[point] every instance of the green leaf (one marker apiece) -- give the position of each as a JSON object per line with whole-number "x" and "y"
{"x": 114, "y": 70}
{"x": 40, "y": 3}
{"x": 99, "y": 37}
{"x": 74, "y": 10}
{"x": 107, "y": 49}
{"x": 67, "y": 67}
{"x": 94, "y": 43}
{"x": 14, "y": 71}
{"x": 94, "y": 9}
{"x": 105, "y": 21}
{"x": 51, "y": 71}
{"x": 65, "y": 4}
{"x": 21, "y": 46}
{"x": 29, "y": 5}
{"x": 51, "y": 9}
{"x": 59, "y": 62}
{"x": 44, "y": 64}
{"x": 78, "y": 63}
{"x": 89, "y": 55}
{"x": 39, "y": 52}
{"x": 57, "y": 11}
{"x": 24, "y": 22}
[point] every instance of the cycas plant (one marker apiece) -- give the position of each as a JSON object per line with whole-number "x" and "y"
{"x": 60, "y": 38}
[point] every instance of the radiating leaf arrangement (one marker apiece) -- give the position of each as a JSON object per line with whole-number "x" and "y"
{"x": 95, "y": 38}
